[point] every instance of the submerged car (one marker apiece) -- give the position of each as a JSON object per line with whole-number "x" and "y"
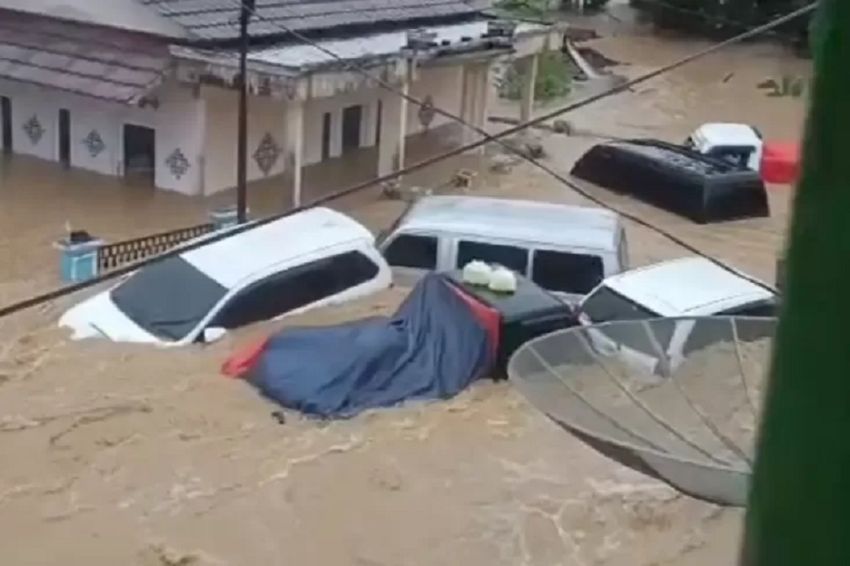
{"x": 681, "y": 291}
{"x": 700, "y": 187}
{"x": 310, "y": 259}
{"x": 566, "y": 250}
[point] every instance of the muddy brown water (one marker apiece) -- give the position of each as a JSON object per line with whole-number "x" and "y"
{"x": 125, "y": 455}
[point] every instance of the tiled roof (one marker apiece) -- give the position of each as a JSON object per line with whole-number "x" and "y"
{"x": 104, "y": 63}
{"x": 218, "y": 19}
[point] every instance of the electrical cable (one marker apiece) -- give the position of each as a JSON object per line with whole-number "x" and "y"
{"x": 498, "y": 138}
{"x": 129, "y": 268}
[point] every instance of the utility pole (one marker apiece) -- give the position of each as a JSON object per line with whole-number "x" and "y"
{"x": 242, "y": 134}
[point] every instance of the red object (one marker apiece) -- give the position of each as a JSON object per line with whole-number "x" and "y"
{"x": 780, "y": 163}
{"x": 487, "y": 316}
{"x": 239, "y": 364}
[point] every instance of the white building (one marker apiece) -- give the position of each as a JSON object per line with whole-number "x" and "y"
{"x": 145, "y": 85}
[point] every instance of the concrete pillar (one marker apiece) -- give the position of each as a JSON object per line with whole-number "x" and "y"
{"x": 391, "y": 151}
{"x": 293, "y": 148}
{"x": 526, "y": 108}
{"x": 475, "y": 97}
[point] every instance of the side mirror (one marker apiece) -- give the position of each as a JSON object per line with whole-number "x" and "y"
{"x": 213, "y": 334}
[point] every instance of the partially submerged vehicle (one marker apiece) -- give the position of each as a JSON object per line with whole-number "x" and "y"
{"x": 526, "y": 313}
{"x": 741, "y": 145}
{"x": 677, "y": 290}
{"x": 699, "y": 187}
{"x": 567, "y": 250}
{"x": 306, "y": 260}
{"x": 446, "y": 334}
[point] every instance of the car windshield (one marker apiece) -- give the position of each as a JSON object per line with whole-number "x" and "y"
{"x": 168, "y": 298}
{"x": 606, "y": 305}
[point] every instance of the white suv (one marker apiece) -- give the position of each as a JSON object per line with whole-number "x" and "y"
{"x": 681, "y": 291}
{"x": 312, "y": 258}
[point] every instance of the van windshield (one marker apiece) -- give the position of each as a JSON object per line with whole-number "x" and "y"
{"x": 168, "y": 298}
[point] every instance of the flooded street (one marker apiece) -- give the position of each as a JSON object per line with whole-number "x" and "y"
{"x": 125, "y": 455}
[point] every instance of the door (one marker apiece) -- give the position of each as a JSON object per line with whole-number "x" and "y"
{"x": 351, "y": 120}
{"x": 379, "y": 119}
{"x": 64, "y": 137}
{"x": 297, "y": 288}
{"x": 139, "y": 151}
{"x": 6, "y": 120}
{"x": 326, "y": 136}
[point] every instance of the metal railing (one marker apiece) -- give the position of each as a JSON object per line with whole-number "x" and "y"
{"x": 111, "y": 256}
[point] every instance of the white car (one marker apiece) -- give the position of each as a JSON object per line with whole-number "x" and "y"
{"x": 678, "y": 291}
{"x": 739, "y": 144}
{"x": 312, "y": 258}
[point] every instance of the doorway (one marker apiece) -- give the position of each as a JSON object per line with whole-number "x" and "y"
{"x": 379, "y": 121}
{"x": 326, "y": 136}
{"x": 6, "y": 120}
{"x": 351, "y": 121}
{"x": 64, "y": 137}
{"x": 139, "y": 151}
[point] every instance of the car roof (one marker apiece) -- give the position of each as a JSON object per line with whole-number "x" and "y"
{"x": 234, "y": 259}
{"x": 674, "y": 158}
{"x": 523, "y": 221}
{"x": 692, "y": 286}
{"x": 723, "y": 133}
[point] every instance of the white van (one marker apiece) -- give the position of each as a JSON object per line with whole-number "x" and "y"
{"x": 567, "y": 250}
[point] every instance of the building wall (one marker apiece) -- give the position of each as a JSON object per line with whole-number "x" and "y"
{"x": 178, "y": 123}
{"x": 443, "y": 85}
{"x": 196, "y": 128}
{"x": 265, "y": 118}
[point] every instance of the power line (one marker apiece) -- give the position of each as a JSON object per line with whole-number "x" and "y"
{"x": 69, "y": 289}
{"x": 487, "y": 137}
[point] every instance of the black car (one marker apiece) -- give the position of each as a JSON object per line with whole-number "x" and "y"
{"x": 699, "y": 187}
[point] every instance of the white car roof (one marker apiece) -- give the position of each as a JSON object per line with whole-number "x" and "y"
{"x": 231, "y": 260}
{"x": 723, "y": 133}
{"x": 523, "y": 221}
{"x": 691, "y": 286}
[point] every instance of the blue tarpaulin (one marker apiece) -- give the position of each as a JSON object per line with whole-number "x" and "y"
{"x": 431, "y": 348}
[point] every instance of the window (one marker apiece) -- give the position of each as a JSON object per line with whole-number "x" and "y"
{"x": 295, "y": 288}
{"x": 418, "y": 252}
{"x": 756, "y": 310}
{"x": 606, "y": 305}
{"x": 507, "y": 256}
{"x": 566, "y": 272}
{"x": 168, "y": 298}
{"x": 737, "y": 156}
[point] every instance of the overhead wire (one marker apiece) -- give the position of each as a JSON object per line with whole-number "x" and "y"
{"x": 129, "y": 268}
{"x": 498, "y": 138}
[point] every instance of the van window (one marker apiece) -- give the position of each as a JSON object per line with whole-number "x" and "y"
{"x": 295, "y": 288}
{"x": 413, "y": 251}
{"x": 511, "y": 257}
{"x": 566, "y": 272}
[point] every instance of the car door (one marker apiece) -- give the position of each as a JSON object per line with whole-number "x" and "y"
{"x": 410, "y": 256}
{"x": 300, "y": 287}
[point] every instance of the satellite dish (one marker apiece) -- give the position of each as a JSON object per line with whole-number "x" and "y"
{"x": 676, "y": 399}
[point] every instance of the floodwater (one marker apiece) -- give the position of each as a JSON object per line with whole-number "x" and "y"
{"x": 125, "y": 455}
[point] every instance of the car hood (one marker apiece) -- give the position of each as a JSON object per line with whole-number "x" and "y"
{"x": 99, "y": 317}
